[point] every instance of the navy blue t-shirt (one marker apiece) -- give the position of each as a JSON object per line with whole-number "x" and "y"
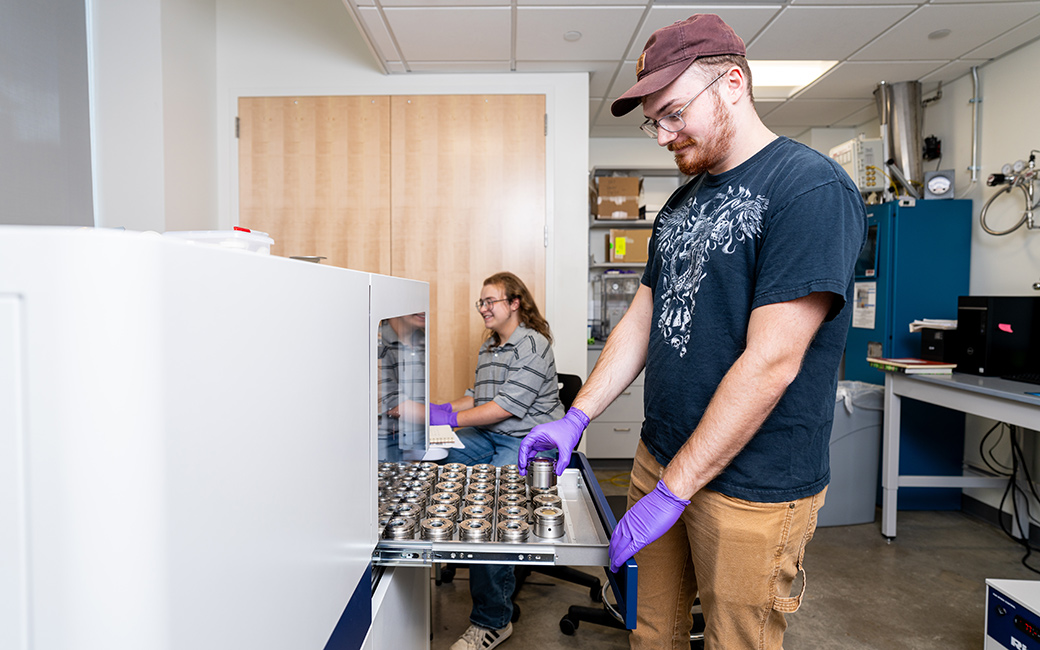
{"x": 785, "y": 223}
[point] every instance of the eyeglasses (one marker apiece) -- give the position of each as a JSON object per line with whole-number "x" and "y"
{"x": 673, "y": 122}
{"x": 488, "y": 303}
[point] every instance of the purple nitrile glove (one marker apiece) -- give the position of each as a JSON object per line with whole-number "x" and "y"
{"x": 647, "y": 520}
{"x": 562, "y": 434}
{"x": 444, "y": 408}
{"x": 442, "y": 414}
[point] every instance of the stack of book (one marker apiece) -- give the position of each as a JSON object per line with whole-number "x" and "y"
{"x": 912, "y": 366}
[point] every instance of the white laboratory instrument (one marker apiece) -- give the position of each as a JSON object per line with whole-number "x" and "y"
{"x": 862, "y": 159}
{"x": 1012, "y": 614}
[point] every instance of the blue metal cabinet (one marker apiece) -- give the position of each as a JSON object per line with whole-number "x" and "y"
{"x": 918, "y": 259}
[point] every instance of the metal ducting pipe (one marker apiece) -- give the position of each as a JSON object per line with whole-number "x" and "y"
{"x": 901, "y": 114}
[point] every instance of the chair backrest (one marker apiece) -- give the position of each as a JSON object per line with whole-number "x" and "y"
{"x": 569, "y": 387}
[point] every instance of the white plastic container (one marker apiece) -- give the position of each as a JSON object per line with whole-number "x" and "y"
{"x": 243, "y": 239}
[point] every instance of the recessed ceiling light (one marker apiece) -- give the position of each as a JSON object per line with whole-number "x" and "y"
{"x": 781, "y": 79}
{"x": 572, "y": 36}
{"x": 939, "y": 33}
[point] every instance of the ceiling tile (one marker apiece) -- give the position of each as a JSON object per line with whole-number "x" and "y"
{"x": 601, "y": 72}
{"x": 626, "y": 77}
{"x": 855, "y": 3}
{"x": 452, "y": 33}
{"x": 630, "y": 121}
{"x": 605, "y": 32}
{"x": 378, "y": 34}
{"x": 860, "y": 117}
{"x": 970, "y": 25}
{"x": 570, "y": 3}
{"x": 745, "y": 21}
{"x": 787, "y": 36}
{"x": 814, "y": 112}
{"x": 1008, "y": 41}
{"x": 436, "y": 3}
{"x": 951, "y": 71}
{"x": 858, "y": 80}
{"x": 459, "y": 66}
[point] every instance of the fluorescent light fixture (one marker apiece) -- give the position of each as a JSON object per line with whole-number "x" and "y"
{"x": 781, "y": 79}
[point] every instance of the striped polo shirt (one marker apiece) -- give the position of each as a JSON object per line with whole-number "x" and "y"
{"x": 519, "y": 376}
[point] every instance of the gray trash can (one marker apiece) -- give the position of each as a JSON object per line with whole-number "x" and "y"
{"x": 855, "y": 453}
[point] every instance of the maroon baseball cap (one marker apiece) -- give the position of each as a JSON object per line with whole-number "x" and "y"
{"x": 670, "y": 50}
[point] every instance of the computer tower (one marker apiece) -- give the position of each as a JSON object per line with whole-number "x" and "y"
{"x": 996, "y": 335}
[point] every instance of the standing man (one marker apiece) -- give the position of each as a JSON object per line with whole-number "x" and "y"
{"x": 740, "y": 324}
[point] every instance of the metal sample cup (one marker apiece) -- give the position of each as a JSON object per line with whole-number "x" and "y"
{"x": 413, "y": 497}
{"x": 481, "y": 477}
{"x": 477, "y": 512}
{"x": 551, "y": 500}
{"x": 513, "y": 531}
{"x": 511, "y": 500}
{"x": 442, "y": 511}
{"x": 484, "y": 468}
{"x": 454, "y": 467}
{"x": 541, "y": 473}
{"x": 548, "y": 522}
{"x": 457, "y": 477}
{"x": 506, "y": 513}
{"x": 399, "y": 528}
{"x": 512, "y": 488}
{"x": 450, "y": 486}
{"x": 450, "y": 498}
{"x": 475, "y": 530}
{"x": 437, "y": 528}
{"x": 480, "y": 499}
{"x": 482, "y": 488}
{"x": 410, "y": 510}
{"x": 510, "y": 469}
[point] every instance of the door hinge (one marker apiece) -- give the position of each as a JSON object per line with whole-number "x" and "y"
{"x": 237, "y": 123}
{"x": 545, "y": 236}
{"x": 546, "y": 124}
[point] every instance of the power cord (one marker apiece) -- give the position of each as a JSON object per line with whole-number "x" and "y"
{"x": 1018, "y": 460}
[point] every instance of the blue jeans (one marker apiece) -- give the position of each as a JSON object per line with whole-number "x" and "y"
{"x": 490, "y": 585}
{"x": 483, "y": 446}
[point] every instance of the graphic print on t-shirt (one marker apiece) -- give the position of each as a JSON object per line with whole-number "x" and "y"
{"x": 688, "y": 236}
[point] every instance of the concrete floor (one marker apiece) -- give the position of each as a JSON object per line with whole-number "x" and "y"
{"x": 924, "y": 590}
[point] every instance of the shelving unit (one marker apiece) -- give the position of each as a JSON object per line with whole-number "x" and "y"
{"x": 615, "y": 432}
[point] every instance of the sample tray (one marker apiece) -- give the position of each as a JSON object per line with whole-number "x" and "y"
{"x": 584, "y": 542}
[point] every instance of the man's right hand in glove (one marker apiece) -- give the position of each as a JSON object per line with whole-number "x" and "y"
{"x": 562, "y": 434}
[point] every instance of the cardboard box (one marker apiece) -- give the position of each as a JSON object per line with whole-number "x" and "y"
{"x": 619, "y": 197}
{"x": 628, "y": 245}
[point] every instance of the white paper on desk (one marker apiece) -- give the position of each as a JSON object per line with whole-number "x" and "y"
{"x": 932, "y": 324}
{"x": 445, "y": 436}
{"x": 864, "y": 301}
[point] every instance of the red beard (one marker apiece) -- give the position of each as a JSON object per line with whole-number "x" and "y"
{"x": 693, "y": 157}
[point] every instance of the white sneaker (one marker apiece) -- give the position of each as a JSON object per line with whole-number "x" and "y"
{"x": 481, "y": 638}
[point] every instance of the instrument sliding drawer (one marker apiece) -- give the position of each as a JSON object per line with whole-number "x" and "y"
{"x": 587, "y": 525}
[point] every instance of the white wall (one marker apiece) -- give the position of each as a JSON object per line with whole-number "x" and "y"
{"x": 153, "y": 66}
{"x": 1010, "y": 264}
{"x": 312, "y": 47}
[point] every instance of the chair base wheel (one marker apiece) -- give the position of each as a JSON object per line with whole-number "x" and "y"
{"x": 568, "y": 626}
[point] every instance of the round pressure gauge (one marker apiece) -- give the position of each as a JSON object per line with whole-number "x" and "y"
{"x": 1019, "y": 166}
{"x": 1006, "y": 169}
{"x": 938, "y": 185}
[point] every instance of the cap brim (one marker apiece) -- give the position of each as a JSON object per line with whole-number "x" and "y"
{"x": 648, "y": 85}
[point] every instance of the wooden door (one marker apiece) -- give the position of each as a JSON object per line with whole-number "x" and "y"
{"x": 467, "y": 201}
{"x": 314, "y": 173}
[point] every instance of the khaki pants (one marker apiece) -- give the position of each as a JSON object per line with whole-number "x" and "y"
{"x": 742, "y": 558}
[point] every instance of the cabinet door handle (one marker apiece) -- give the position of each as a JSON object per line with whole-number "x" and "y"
{"x": 619, "y": 430}
{"x": 626, "y": 392}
